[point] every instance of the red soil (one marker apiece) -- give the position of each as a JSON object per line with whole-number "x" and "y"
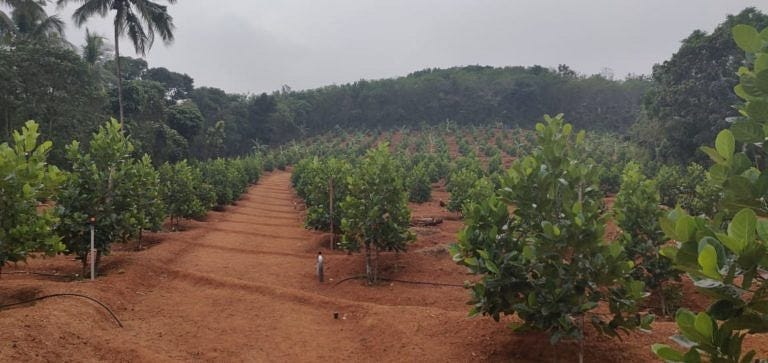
{"x": 241, "y": 287}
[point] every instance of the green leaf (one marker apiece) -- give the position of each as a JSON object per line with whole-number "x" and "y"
{"x": 669, "y": 252}
{"x": 743, "y": 227}
{"x": 666, "y": 353}
{"x": 762, "y": 81}
{"x": 747, "y": 132}
{"x": 750, "y": 85}
{"x": 741, "y": 92}
{"x": 747, "y": 38}
{"x": 761, "y": 61}
{"x": 491, "y": 266}
{"x": 528, "y": 252}
{"x": 758, "y": 110}
{"x": 668, "y": 226}
{"x": 708, "y": 261}
{"x": 762, "y": 229}
{"x": 685, "y": 228}
{"x": 713, "y": 154}
{"x": 732, "y": 243}
{"x": 704, "y": 325}
{"x": 725, "y": 144}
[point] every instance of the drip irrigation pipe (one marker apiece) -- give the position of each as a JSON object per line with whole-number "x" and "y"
{"x": 402, "y": 281}
{"x": 119, "y": 323}
{"x": 34, "y": 273}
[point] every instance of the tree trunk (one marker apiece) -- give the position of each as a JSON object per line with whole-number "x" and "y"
{"x": 368, "y": 267}
{"x": 119, "y": 79}
{"x": 376, "y": 267}
{"x": 84, "y": 262}
{"x": 581, "y": 341}
{"x": 98, "y": 262}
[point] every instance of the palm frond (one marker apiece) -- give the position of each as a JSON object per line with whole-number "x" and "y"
{"x": 157, "y": 18}
{"x": 94, "y": 48}
{"x": 6, "y": 24}
{"x": 88, "y": 9}
{"x": 52, "y": 25}
{"x": 140, "y": 39}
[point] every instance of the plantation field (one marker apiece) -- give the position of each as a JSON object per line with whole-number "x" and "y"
{"x": 240, "y": 286}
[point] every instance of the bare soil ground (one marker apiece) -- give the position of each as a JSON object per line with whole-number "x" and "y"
{"x": 241, "y": 287}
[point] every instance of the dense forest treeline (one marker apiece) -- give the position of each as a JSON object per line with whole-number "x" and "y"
{"x": 472, "y": 95}
{"x": 685, "y": 102}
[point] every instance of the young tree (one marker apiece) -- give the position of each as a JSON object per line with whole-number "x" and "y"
{"x": 461, "y": 182}
{"x": 148, "y": 207}
{"x": 419, "y": 185}
{"x": 178, "y": 190}
{"x": 548, "y": 262}
{"x": 729, "y": 264}
{"x": 637, "y": 213}
{"x": 376, "y": 214}
{"x": 26, "y": 179}
{"x": 101, "y": 185}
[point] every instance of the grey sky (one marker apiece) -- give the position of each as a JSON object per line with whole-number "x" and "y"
{"x": 259, "y": 45}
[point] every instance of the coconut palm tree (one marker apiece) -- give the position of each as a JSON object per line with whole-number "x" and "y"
{"x": 94, "y": 48}
{"x": 29, "y": 21}
{"x": 139, "y": 19}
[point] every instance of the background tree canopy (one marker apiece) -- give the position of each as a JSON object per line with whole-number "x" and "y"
{"x": 683, "y": 104}
{"x": 692, "y": 92}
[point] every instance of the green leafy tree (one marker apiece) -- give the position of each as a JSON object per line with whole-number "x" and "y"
{"x": 178, "y": 86}
{"x": 547, "y": 262}
{"x": 139, "y": 19}
{"x": 100, "y": 185}
{"x": 228, "y": 179}
{"x": 185, "y": 118}
{"x": 148, "y": 206}
{"x": 376, "y": 214}
{"x": 66, "y": 97}
{"x": 495, "y": 164}
{"x": 730, "y": 263}
{"x": 459, "y": 186}
{"x": 26, "y": 179}
{"x": 179, "y": 190}
{"x": 314, "y": 179}
{"x": 419, "y": 185}
{"x": 637, "y": 213}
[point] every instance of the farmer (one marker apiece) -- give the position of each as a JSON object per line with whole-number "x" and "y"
{"x": 320, "y": 266}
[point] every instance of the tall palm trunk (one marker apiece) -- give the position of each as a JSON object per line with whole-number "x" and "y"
{"x": 119, "y": 78}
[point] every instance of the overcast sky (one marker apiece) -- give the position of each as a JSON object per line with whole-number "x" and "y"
{"x": 259, "y": 45}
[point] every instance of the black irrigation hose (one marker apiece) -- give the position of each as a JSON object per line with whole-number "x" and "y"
{"x": 119, "y": 323}
{"x": 403, "y": 281}
{"x": 34, "y": 273}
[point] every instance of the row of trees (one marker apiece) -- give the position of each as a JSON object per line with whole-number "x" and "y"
{"x": 366, "y": 200}
{"x": 470, "y": 95}
{"x": 124, "y": 193}
{"x": 538, "y": 242}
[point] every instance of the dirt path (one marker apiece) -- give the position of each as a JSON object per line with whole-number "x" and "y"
{"x": 238, "y": 287}
{"x": 241, "y": 287}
